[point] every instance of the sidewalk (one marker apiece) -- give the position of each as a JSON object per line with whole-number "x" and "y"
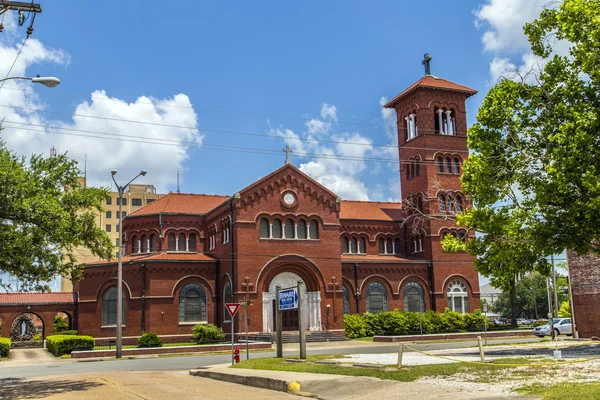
{"x": 330, "y": 387}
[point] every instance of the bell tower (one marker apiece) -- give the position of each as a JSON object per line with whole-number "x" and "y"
{"x": 432, "y": 138}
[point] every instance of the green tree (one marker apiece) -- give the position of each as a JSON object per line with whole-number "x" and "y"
{"x": 534, "y": 172}
{"x": 44, "y": 217}
{"x": 531, "y": 299}
{"x": 565, "y": 309}
{"x": 59, "y": 324}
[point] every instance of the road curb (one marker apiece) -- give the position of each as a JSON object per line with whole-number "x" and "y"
{"x": 255, "y": 381}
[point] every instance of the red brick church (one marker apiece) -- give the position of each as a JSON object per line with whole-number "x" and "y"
{"x": 188, "y": 254}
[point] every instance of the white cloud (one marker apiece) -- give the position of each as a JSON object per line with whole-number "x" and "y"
{"x": 329, "y": 112}
{"x": 29, "y": 132}
{"x": 503, "y": 22}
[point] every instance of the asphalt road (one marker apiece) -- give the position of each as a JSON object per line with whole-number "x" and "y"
{"x": 62, "y": 367}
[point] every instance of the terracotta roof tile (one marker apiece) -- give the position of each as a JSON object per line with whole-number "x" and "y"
{"x": 182, "y": 203}
{"x": 371, "y": 210}
{"x": 35, "y": 298}
{"x": 154, "y": 257}
{"x": 430, "y": 81}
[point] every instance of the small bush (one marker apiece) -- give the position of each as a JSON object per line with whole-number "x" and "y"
{"x": 59, "y": 324}
{"x": 37, "y": 337}
{"x": 4, "y": 347}
{"x": 540, "y": 322}
{"x": 149, "y": 340}
{"x": 374, "y": 323}
{"x": 474, "y": 321}
{"x": 355, "y": 326}
{"x": 203, "y": 333}
{"x": 71, "y": 332}
{"x": 452, "y": 321}
{"x": 64, "y": 344}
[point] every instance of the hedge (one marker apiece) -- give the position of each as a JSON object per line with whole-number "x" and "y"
{"x": 71, "y": 332}
{"x": 203, "y": 333}
{"x": 4, "y": 347}
{"x": 403, "y": 323}
{"x": 64, "y": 344}
{"x": 149, "y": 340}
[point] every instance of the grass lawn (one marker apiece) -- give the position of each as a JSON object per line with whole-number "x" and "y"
{"x": 406, "y": 374}
{"x": 365, "y": 339}
{"x": 564, "y": 391}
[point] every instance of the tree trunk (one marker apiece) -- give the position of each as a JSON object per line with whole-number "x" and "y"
{"x": 513, "y": 302}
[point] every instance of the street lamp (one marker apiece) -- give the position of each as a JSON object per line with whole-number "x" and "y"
{"x": 327, "y": 321}
{"x": 48, "y": 81}
{"x": 121, "y": 190}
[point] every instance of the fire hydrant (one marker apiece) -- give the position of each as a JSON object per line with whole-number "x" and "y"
{"x": 236, "y": 355}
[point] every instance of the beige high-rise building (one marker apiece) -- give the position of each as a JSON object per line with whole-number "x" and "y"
{"x": 136, "y": 196}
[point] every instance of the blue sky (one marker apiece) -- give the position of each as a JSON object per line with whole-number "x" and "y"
{"x": 274, "y": 71}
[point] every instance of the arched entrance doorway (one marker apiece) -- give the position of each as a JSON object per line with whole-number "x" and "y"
{"x": 311, "y": 305}
{"x": 27, "y": 330}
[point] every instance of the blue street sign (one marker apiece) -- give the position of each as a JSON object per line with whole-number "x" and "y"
{"x": 288, "y": 299}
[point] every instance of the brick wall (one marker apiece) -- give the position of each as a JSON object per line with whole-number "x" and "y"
{"x": 584, "y": 272}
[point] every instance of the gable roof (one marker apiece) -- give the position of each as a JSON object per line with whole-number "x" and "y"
{"x": 26, "y": 298}
{"x": 371, "y": 210}
{"x": 293, "y": 170}
{"x": 432, "y": 82}
{"x": 181, "y": 203}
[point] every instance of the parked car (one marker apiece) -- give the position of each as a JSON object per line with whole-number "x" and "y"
{"x": 562, "y": 326}
{"x": 522, "y": 321}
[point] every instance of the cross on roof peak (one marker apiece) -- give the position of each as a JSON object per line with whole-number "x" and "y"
{"x": 426, "y": 61}
{"x": 287, "y": 151}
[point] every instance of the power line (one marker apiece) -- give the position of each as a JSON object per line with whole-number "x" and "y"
{"x": 181, "y": 143}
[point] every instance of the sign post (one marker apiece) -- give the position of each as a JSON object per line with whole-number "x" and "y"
{"x": 300, "y": 291}
{"x": 278, "y": 325}
{"x": 232, "y": 309}
{"x": 485, "y": 322}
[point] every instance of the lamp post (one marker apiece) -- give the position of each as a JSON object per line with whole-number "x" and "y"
{"x": 48, "y": 81}
{"x": 327, "y": 321}
{"x": 121, "y": 189}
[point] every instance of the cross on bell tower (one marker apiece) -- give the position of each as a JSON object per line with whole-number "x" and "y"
{"x": 287, "y": 151}
{"x": 426, "y": 61}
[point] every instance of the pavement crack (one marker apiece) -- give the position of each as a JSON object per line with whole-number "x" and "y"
{"x": 123, "y": 388}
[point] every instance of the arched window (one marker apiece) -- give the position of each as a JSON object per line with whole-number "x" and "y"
{"x": 135, "y": 248}
{"x": 442, "y": 203}
{"x": 345, "y": 245}
{"x": 109, "y": 306}
{"x": 289, "y": 229}
{"x": 192, "y": 242}
{"x": 346, "y": 300}
{"x": 171, "y": 244}
{"x": 227, "y": 298}
{"x": 277, "y": 231}
{"x": 362, "y": 246}
{"x": 412, "y": 170}
{"x": 264, "y": 228}
{"x": 462, "y": 235}
{"x": 450, "y": 203}
{"x": 450, "y": 121}
{"x": 389, "y": 247}
{"x": 418, "y": 167}
{"x": 376, "y": 298}
{"x": 396, "y": 246}
{"x": 192, "y": 303}
{"x": 407, "y": 171}
{"x": 420, "y": 203}
{"x": 314, "y": 229}
{"x": 448, "y": 165}
{"x": 436, "y": 119}
{"x": 144, "y": 244}
{"x": 381, "y": 246}
{"x": 414, "y": 297}
{"x": 440, "y": 164}
{"x": 458, "y": 297}
{"x": 353, "y": 246}
{"x": 301, "y": 229}
{"x": 459, "y": 203}
{"x": 153, "y": 242}
{"x": 456, "y": 166}
{"x": 181, "y": 242}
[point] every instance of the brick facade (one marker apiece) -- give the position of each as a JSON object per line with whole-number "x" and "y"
{"x": 584, "y": 272}
{"x": 230, "y": 248}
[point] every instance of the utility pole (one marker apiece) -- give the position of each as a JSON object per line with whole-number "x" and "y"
{"x": 556, "y": 305}
{"x": 19, "y": 6}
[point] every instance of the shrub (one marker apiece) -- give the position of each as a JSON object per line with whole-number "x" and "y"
{"x": 4, "y": 347}
{"x": 432, "y": 322}
{"x": 149, "y": 340}
{"x": 474, "y": 321}
{"x": 206, "y": 333}
{"x": 70, "y": 332}
{"x": 374, "y": 323}
{"x": 540, "y": 322}
{"x": 64, "y": 344}
{"x": 355, "y": 326}
{"x": 59, "y": 324}
{"x": 37, "y": 337}
{"x": 452, "y": 321}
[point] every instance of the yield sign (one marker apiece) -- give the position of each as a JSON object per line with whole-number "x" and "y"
{"x": 232, "y": 308}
